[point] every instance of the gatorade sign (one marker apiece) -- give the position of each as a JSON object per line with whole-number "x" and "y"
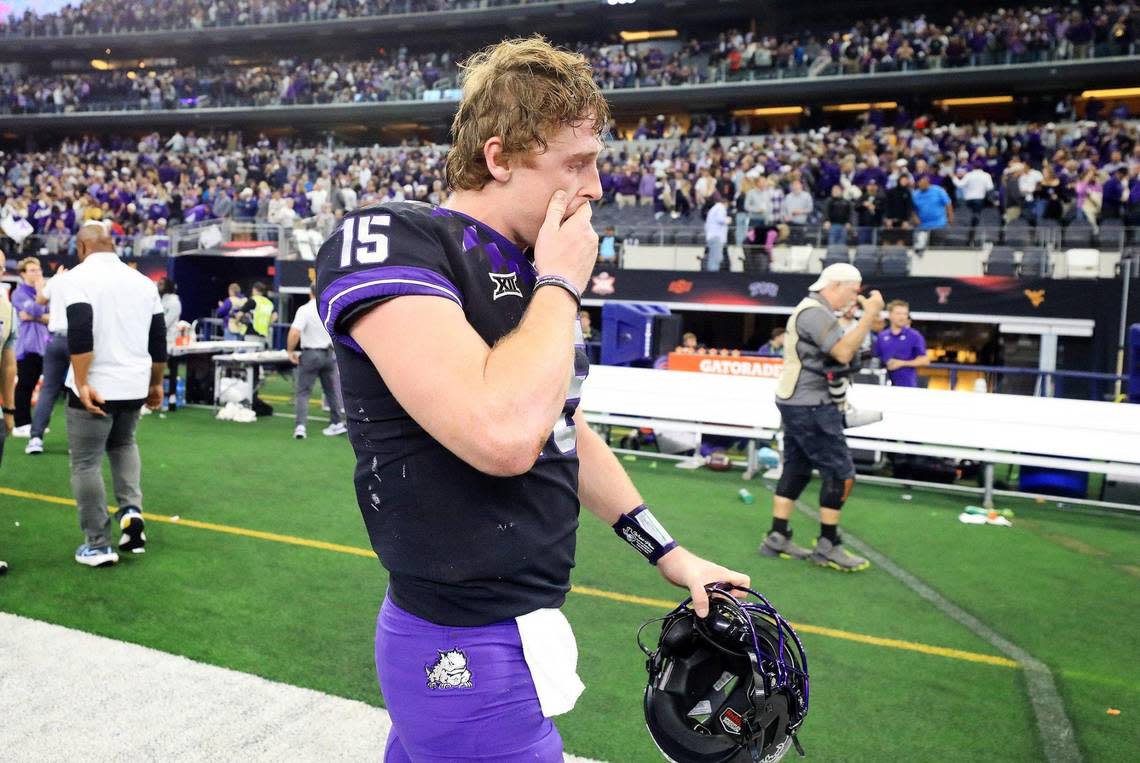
{"x": 764, "y": 368}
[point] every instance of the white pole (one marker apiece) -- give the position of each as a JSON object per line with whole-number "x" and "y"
{"x": 1121, "y": 340}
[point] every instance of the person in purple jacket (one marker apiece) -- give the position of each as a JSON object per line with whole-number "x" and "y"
{"x": 901, "y": 349}
{"x": 234, "y": 330}
{"x": 31, "y": 342}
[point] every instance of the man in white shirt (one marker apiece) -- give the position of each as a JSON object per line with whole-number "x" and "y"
{"x": 716, "y": 233}
{"x": 56, "y": 358}
{"x": 975, "y": 186}
{"x": 310, "y": 349}
{"x": 1027, "y": 183}
{"x": 116, "y": 337}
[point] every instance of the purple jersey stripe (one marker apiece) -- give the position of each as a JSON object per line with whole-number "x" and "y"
{"x": 389, "y": 281}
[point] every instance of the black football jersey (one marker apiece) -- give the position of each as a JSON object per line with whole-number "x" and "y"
{"x": 462, "y": 547}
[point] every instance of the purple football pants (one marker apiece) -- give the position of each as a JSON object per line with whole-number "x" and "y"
{"x": 459, "y": 693}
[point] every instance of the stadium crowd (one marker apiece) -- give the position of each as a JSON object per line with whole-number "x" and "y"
{"x": 118, "y": 16}
{"x": 1040, "y": 172}
{"x": 400, "y": 77}
{"x": 1003, "y": 36}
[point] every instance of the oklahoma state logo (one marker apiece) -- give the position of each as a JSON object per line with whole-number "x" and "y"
{"x": 680, "y": 286}
{"x": 1036, "y": 296}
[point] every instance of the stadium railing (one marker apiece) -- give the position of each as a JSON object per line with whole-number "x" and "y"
{"x": 1043, "y": 382}
{"x": 210, "y": 235}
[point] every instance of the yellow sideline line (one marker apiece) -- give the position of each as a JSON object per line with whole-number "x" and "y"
{"x": 911, "y": 646}
{"x": 286, "y": 399}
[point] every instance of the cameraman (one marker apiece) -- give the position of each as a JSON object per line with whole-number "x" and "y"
{"x": 817, "y": 353}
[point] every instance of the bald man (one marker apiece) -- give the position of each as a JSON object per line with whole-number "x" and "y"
{"x": 116, "y": 337}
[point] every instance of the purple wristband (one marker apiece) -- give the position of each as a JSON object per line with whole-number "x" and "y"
{"x": 640, "y": 529}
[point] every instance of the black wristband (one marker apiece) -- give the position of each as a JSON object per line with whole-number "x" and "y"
{"x": 640, "y": 529}
{"x": 9, "y": 411}
{"x": 562, "y": 283}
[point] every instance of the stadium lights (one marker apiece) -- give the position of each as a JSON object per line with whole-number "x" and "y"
{"x": 649, "y": 34}
{"x": 985, "y": 100}
{"x": 1119, "y": 92}
{"x": 101, "y": 65}
{"x": 861, "y": 106}
{"x": 770, "y": 111}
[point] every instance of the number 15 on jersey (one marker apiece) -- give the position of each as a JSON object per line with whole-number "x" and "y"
{"x": 361, "y": 241}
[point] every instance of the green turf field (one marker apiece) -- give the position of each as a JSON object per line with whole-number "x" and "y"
{"x": 1062, "y": 585}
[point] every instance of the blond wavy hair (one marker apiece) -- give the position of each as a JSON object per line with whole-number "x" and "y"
{"x": 523, "y": 91}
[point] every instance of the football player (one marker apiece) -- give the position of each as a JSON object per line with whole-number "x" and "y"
{"x": 461, "y": 365}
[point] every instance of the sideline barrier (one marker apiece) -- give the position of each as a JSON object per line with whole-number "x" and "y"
{"x": 1080, "y": 435}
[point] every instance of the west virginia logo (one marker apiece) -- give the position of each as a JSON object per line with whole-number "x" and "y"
{"x": 449, "y": 672}
{"x": 506, "y": 285}
{"x": 1036, "y": 296}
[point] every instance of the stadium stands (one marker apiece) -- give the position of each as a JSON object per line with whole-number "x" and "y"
{"x": 1006, "y": 36}
{"x": 153, "y": 183}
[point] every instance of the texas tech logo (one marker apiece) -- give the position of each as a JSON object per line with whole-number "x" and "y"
{"x": 449, "y": 671}
{"x": 506, "y": 285}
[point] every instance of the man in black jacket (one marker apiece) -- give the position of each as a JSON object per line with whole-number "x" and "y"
{"x": 837, "y": 216}
{"x": 869, "y": 211}
{"x": 898, "y": 212}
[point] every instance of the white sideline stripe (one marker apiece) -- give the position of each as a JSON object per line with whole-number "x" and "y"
{"x": 65, "y": 693}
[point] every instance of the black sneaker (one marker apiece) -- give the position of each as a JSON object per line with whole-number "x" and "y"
{"x": 132, "y": 524}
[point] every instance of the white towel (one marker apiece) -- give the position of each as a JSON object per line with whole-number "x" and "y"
{"x": 552, "y": 656}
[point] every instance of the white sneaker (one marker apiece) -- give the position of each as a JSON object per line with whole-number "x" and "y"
{"x": 24, "y": 431}
{"x": 299, "y": 432}
{"x": 96, "y": 556}
{"x": 35, "y": 445}
{"x": 332, "y": 430}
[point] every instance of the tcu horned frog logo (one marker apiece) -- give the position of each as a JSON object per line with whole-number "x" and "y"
{"x": 449, "y": 672}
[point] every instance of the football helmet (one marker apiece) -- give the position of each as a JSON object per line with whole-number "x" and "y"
{"x": 728, "y": 688}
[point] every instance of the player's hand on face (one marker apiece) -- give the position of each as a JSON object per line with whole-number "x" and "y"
{"x": 568, "y": 249}
{"x": 686, "y": 570}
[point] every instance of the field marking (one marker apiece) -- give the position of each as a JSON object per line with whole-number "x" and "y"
{"x": 1053, "y": 725}
{"x": 287, "y": 399}
{"x": 660, "y": 604}
{"x": 912, "y": 646}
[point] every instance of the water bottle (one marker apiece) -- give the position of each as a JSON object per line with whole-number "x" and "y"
{"x": 745, "y": 496}
{"x": 166, "y": 394}
{"x": 180, "y": 392}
